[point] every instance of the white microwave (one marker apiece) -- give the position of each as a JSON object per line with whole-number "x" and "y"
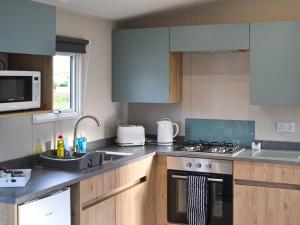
{"x": 20, "y": 90}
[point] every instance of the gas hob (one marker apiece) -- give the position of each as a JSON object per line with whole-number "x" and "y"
{"x": 209, "y": 147}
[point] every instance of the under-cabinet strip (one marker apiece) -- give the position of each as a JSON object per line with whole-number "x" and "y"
{"x": 267, "y": 184}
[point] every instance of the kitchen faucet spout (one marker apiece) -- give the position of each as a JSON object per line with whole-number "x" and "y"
{"x": 76, "y": 127}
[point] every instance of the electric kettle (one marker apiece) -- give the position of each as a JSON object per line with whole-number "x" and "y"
{"x": 165, "y": 132}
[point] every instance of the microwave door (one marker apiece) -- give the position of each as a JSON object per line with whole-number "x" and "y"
{"x": 15, "y": 89}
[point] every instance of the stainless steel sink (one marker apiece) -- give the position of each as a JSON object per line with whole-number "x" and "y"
{"x": 109, "y": 157}
{"x": 81, "y": 161}
{"x": 277, "y": 154}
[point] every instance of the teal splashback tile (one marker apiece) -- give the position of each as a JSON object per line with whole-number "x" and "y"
{"x": 241, "y": 131}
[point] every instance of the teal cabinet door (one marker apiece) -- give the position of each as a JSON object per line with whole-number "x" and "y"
{"x": 141, "y": 65}
{"x": 275, "y": 63}
{"x": 27, "y": 27}
{"x": 209, "y": 38}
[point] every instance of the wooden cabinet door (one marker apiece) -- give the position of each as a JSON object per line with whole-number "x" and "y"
{"x": 101, "y": 214}
{"x": 141, "y": 65}
{"x": 266, "y": 206}
{"x": 131, "y": 206}
{"x": 27, "y": 27}
{"x": 274, "y": 63}
{"x": 221, "y": 37}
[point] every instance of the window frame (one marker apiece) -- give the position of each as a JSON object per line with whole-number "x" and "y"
{"x": 75, "y": 111}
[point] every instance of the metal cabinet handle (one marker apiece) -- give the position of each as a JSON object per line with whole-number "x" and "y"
{"x": 208, "y": 179}
{"x": 215, "y": 180}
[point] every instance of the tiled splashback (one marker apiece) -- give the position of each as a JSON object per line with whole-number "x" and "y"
{"x": 237, "y": 131}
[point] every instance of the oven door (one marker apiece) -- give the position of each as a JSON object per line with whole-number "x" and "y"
{"x": 15, "y": 89}
{"x": 220, "y": 211}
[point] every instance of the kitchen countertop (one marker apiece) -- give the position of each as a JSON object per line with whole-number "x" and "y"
{"x": 45, "y": 180}
{"x": 246, "y": 155}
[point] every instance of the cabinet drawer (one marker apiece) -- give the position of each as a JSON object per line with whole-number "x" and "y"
{"x": 267, "y": 172}
{"x": 129, "y": 174}
{"x": 97, "y": 186}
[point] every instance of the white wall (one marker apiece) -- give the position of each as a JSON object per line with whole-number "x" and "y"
{"x": 216, "y": 86}
{"x": 19, "y": 137}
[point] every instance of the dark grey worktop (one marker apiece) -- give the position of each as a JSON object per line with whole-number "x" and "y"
{"x": 246, "y": 155}
{"x": 44, "y": 180}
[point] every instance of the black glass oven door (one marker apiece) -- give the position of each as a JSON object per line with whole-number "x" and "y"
{"x": 220, "y": 198}
{"x": 177, "y": 197}
{"x": 221, "y": 211}
{"x": 15, "y": 89}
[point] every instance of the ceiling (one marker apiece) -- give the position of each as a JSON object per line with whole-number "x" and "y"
{"x": 120, "y": 9}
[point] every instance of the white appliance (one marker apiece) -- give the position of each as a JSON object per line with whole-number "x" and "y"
{"x": 51, "y": 210}
{"x": 20, "y": 90}
{"x": 165, "y": 131}
{"x": 131, "y": 135}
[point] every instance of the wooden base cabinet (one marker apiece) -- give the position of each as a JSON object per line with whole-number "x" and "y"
{"x": 103, "y": 213}
{"x": 131, "y": 206}
{"x": 124, "y": 196}
{"x": 160, "y": 197}
{"x": 266, "y": 194}
{"x": 266, "y": 206}
{"x": 8, "y": 214}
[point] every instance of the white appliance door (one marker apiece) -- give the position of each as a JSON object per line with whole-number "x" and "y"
{"x": 51, "y": 210}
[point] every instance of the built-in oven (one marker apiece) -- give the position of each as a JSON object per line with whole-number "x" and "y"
{"x": 220, "y": 188}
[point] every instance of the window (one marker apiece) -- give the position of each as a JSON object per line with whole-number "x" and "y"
{"x": 64, "y": 82}
{"x": 66, "y": 88}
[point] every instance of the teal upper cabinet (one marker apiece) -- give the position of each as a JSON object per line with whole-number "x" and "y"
{"x": 27, "y": 27}
{"x": 141, "y": 66}
{"x": 224, "y": 37}
{"x": 275, "y": 63}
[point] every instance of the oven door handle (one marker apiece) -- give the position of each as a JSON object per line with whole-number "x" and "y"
{"x": 208, "y": 179}
{"x": 215, "y": 180}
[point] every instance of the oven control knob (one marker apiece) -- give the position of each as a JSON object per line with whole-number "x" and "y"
{"x": 198, "y": 165}
{"x": 188, "y": 164}
{"x": 208, "y": 166}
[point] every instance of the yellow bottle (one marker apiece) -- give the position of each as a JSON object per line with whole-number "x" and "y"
{"x": 60, "y": 147}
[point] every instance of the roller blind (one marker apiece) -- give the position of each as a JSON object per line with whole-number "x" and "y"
{"x": 70, "y": 44}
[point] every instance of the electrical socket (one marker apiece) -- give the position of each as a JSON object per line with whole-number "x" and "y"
{"x": 286, "y": 127}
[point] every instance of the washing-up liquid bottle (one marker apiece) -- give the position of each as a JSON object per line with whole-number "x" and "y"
{"x": 81, "y": 144}
{"x": 60, "y": 147}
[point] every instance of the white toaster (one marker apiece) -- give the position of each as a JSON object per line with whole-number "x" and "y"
{"x": 131, "y": 135}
